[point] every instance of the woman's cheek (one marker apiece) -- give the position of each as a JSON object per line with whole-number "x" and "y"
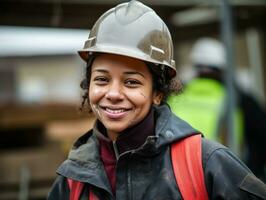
{"x": 139, "y": 97}
{"x": 95, "y": 94}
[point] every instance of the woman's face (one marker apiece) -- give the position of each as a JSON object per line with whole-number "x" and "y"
{"x": 120, "y": 92}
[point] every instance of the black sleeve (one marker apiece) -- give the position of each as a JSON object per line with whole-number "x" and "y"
{"x": 59, "y": 190}
{"x": 226, "y": 177}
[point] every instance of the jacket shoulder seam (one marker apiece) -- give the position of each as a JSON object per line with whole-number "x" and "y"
{"x": 208, "y": 149}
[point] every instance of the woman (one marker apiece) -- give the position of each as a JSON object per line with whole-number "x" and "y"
{"x": 130, "y": 73}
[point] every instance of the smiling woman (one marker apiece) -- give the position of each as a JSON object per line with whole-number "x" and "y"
{"x": 128, "y": 153}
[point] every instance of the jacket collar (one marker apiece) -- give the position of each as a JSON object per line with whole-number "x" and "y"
{"x": 169, "y": 127}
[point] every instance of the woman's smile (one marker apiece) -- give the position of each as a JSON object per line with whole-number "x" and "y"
{"x": 115, "y": 113}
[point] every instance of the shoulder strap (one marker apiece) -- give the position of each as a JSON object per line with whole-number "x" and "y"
{"x": 75, "y": 188}
{"x": 187, "y": 164}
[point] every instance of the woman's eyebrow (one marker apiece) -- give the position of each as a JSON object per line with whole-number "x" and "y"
{"x": 134, "y": 72}
{"x": 99, "y": 70}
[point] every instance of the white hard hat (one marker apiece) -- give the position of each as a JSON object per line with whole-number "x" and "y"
{"x": 208, "y": 52}
{"x": 135, "y": 30}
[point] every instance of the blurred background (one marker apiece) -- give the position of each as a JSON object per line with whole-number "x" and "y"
{"x": 40, "y": 73}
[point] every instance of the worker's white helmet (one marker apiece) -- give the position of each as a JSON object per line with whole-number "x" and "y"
{"x": 132, "y": 29}
{"x": 208, "y": 52}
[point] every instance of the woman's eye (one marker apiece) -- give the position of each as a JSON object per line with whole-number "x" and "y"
{"x": 100, "y": 80}
{"x": 132, "y": 83}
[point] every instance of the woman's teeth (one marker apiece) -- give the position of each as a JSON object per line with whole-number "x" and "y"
{"x": 115, "y": 111}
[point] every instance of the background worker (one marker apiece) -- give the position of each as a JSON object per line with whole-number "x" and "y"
{"x": 202, "y": 104}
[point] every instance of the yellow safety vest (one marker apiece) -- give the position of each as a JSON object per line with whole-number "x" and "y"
{"x": 202, "y": 104}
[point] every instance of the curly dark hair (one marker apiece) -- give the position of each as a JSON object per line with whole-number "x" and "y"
{"x": 162, "y": 81}
{"x": 160, "y": 77}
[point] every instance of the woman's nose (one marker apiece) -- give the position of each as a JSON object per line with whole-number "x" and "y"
{"x": 114, "y": 92}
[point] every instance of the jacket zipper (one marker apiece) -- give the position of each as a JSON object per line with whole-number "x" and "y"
{"x": 128, "y": 170}
{"x": 116, "y": 151}
{"x": 129, "y": 183}
{"x": 149, "y": 140}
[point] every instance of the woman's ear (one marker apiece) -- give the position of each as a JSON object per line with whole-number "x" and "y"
{"x": 157, "y": 98}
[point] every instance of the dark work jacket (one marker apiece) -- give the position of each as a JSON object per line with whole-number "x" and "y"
{"x": 146, "y": 173}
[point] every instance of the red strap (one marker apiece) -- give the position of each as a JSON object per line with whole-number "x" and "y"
{"x": 75, "y": 188}
{"x": 188, "y": 170}
{"x": 92, "y": 196}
